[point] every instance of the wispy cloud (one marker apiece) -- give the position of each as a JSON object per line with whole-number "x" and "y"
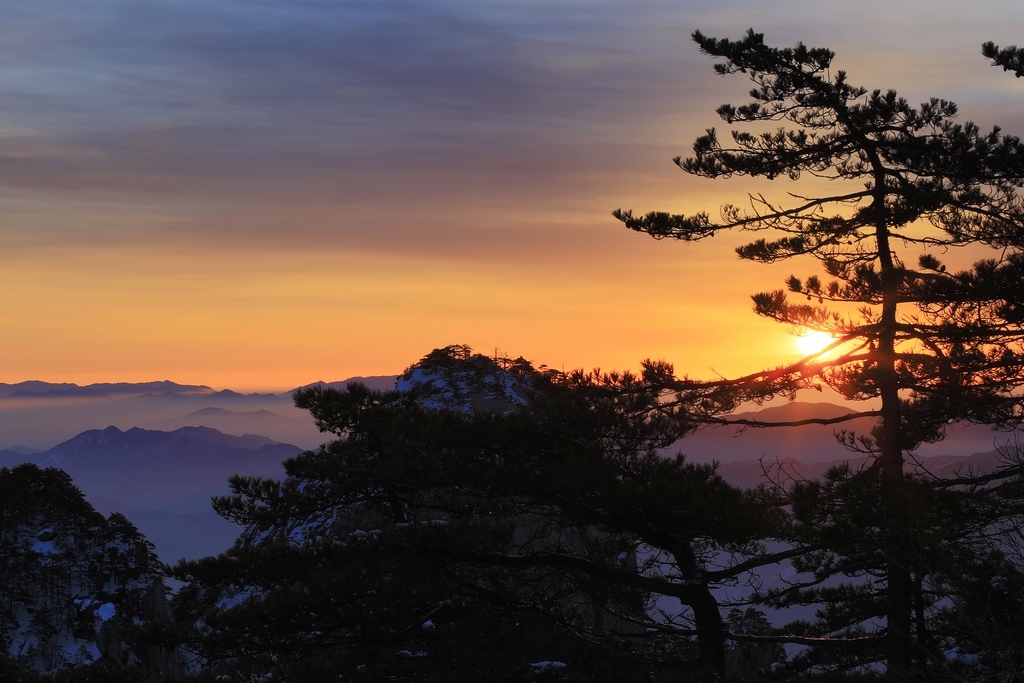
{"x": 496, "y": 131}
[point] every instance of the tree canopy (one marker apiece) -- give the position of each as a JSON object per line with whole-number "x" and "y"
{"x": 1010, "y": 58}
{"x": 927, "y": 344}
{"x": 483, "y": 491}
{"x": 551, "y": 510}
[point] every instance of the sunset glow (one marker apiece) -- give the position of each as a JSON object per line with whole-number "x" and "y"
{"x": 258, "y": 196}
{"x": 813, "y": 342}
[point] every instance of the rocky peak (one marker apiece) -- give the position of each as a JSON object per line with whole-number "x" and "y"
{"x": 75, "y": 587}
{"x": 455, "y": 378}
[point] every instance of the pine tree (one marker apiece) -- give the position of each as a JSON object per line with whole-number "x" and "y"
{"x": 487, "y": 492}
{"x": 76, "y": 589}
{"x": 1010, "y": 58}
{"x": 927, "y": 344}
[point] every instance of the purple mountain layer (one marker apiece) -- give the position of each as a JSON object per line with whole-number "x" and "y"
{"x": 163, "y": 481}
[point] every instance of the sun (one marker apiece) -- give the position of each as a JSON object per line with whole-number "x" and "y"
{"x": 813, "y": 342}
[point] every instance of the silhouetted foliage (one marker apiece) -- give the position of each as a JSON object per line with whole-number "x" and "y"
{"x": 886, "y": 188}
{"x": 1010, "y": 58}
{"x": 76, "y": 589}
{"x": 486, "y": 492}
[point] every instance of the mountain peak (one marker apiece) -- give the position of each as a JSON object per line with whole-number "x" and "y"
{"x": 455, "y": 378}
{"x": 376, "y": 382}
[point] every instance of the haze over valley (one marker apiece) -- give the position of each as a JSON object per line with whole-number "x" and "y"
{"x": 157, "y": 452}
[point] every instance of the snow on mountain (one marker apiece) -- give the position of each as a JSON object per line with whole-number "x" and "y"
{"x": 452, "y": 378}
{"x": 456, "y": 379}
{"x": 75, "y": 587}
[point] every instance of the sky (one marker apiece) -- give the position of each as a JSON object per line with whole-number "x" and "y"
{"x": 262, "y": 194}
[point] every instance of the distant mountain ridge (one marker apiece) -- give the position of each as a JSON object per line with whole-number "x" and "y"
{"x": 163, "y": 481}
{"x": 170, "y": 452}
{"x": 815, "y": 442}
{"x": 39, "y": 389}
{"x": 33, "y": 388}
{"x": 219, "y": 412}
{"x": 183, "y": 441}
{"x": 376, "y": 382}
{"x": 108, "y": 461}
{"x": 38, "y": 414}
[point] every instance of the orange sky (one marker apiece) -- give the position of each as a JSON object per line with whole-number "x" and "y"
{"x": 261, "y": 196}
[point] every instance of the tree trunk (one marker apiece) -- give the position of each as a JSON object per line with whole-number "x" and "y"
{"x": 707, "y": 617}
{"x": 889, "y": 434}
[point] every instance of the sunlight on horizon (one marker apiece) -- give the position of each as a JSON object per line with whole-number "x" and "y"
{"x": 811, "y": 343}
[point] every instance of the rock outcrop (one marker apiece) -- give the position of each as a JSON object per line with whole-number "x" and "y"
{"x": 75, "y": 588}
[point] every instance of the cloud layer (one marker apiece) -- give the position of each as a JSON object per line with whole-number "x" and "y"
{"x": 158, "y": 147}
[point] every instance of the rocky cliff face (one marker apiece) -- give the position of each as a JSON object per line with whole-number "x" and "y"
{"x": 455, "y": 378}
{"x": 75, "y": 588}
